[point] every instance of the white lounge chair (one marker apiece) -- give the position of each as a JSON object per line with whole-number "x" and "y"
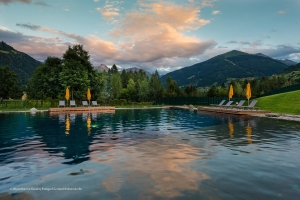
{"x": 251, "y": 105}
{"x": 221, "y": 103}
{"x": 85, "y": 103}
{"x": 61, "y": 103}
{"x": 72, "y": 103}
{"x": 94, "y": 103}
{"x": 227, "y": 105}
{"x": 239, "y": 105}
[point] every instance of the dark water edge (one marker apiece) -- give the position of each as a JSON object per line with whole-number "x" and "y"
{"x": 149, "y": 154}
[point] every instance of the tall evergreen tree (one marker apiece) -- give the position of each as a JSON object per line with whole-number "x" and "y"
{"x": 156, "y": 87}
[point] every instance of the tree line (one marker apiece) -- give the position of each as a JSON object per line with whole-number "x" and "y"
{"x": 75, "y": 71}
{"x": 258, "y": 86}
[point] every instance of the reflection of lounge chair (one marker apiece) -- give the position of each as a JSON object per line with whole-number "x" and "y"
{"x": 72, "y": 103}
{"x": 239, "y": 105}
{"x": 94, "y": 103}
{"x": 227, "y": 105}
{"x": 221, "y": 103}
{"x": 251, "y": 106}
{"x": 85, "y": 103}
{"x": 61, "y": 103}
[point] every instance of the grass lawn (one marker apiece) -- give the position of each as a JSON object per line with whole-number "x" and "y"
{"x": 287, "y": 103}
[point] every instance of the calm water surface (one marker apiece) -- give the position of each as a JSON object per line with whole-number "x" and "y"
{"x": 148, "y": 154}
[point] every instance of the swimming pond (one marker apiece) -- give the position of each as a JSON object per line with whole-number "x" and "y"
{"x": 148, "y": 154}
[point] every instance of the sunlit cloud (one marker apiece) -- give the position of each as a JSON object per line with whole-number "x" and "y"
{"x": 96, "y": 0}
{"x": 281, "y": 12}
{"x": 108, "y": 15}
{"x": 215, "y": 12}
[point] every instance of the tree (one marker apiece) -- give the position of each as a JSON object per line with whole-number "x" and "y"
{"x": 45, "y": 80}
{"x": 156, "y": 87}
{"x": 172, "y": 89}
{"x": 116, "y": 85}
{"x": 124, "y": 78}
{"x": 8, "y": 84}
{"x": 114, "y": 69}
{"x": 131, "y": 90}
{"x": 74, "y": 71}
{"x": 144, "y": 90}
{"x": 212, "y": 92}
{"x": 75, "y": 77}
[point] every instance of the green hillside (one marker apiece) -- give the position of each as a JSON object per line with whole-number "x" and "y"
{"x": 219, "y": 69}
{"x": 292, "y": 68}
{"x": 19, "y": 62}
{"x": 281, "y": 103}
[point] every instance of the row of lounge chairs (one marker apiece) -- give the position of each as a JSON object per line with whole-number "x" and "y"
{"x": 73, "y": 104}
{"x": 238, "y": 106}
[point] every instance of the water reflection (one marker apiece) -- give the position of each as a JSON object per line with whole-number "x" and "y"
{"x": 154, "y": 154}
{"x": 88, "y": 123}
{"x": 68, "y": 125}
{"x": 249, "y": 132}
{"x": 156, "y": 169}
{"x": 231, "y": 128}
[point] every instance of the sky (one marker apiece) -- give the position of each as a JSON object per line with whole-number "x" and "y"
{"x": 152, "y": 34}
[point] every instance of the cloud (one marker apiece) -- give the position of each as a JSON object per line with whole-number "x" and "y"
{"x": 153, "y": 35}
{"x": 66, "y": 9}
{"x": 38, "y": 2}
{"x": 252, "y": 44}
{"x": 110, "y": 10}
{"x": 159, "y": 33}
{"x": 14, "y": 1}
{"x": 208, "y": 3}
{"x": 281, "y": 12}
{"x": 41, "y": 3}
{"x": 96, "y": 0}
{"x": 37, "y": 47}
{"x": 108, "y": 15}
{"x": 215, "y": 12}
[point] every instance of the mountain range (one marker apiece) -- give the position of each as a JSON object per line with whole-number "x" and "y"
{"x": 287, "y": 62}
{"x": 219, "y": 69}
{"x": 233, "y": 64}
{"x": 19, "y": 62}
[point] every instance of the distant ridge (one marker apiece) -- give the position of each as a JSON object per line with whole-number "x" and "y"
{"x": 260, "y": 54}
{"x": 102, "y": 68}
{"x": 19, "y": 62}
{"x": 292, "y": 68}
{"x": 288, "y": 62}
{"x": 233, "y": 64}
